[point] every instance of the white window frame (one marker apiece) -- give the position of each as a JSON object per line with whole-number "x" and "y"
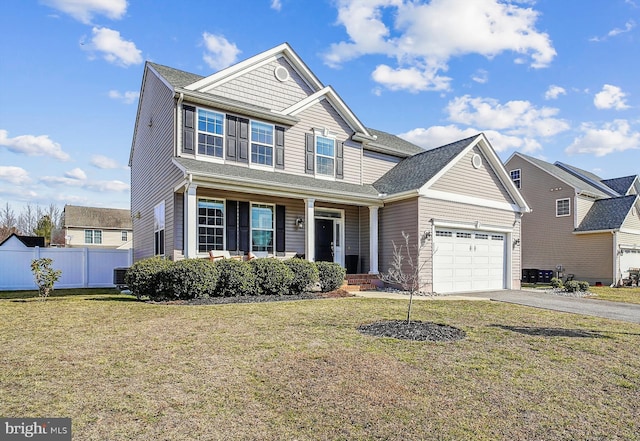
{"x": 159, "y": 223}
{"x": 254, "y": 228}
{"x": 262, "y": 144}
{"x": 207, "y": 133}
{"x": 96, "y": 237}
{"x": 224, "y": 226}
{"x": 326, "y": 135}
{"x": 568, "y": 213}
{"x": 124, "y": 236}
{"x": 517, "y": 181}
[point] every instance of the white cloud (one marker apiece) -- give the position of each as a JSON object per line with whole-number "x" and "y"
{"x": 514, "y": 117}
{"x": 436, "y": 136}
{"x": 85, "y": 10}
{"x": 276, "y": 5}
{"x": 104, "y": 162}
{"x": 220, "y": 53}
{"x": 424, "y": 36}
{"x": 611, "y": 97}
{"x": 87, "y": 184}
{"x": 615, "y": 136}
{"x": 480, "y": 76}
{"x": 14, "y": 175}
{"x": 76, "y": 173}
{"x": 113, "y": 48}
{"x": 128, "y": 97}
{"x": 31, "y": 145}
{"x": 553, "y": 92}
{"x": 628, "y": 26}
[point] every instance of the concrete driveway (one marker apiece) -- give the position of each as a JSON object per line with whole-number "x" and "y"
{"x": 598, "y": 308}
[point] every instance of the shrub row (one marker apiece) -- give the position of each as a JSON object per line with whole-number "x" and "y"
{"x": 570, "y": 285}
{"x": 161, "y": 279}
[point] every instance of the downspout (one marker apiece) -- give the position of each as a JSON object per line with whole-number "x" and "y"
{"x": 616, "y": 265}
{"x": 178, "y": 123}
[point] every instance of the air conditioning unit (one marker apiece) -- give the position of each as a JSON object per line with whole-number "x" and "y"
{"x": 118, "y": 278}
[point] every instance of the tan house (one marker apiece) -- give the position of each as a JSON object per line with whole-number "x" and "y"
{"x": 262, "y": 157}
{"x": 580, "y": 224}
{"x": 94, "y": 227}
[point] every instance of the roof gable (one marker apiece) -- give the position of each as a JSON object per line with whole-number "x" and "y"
{"x": 621, "y": 185}
{"x": 607, "y": 214}
{"x": 15, "y": 240}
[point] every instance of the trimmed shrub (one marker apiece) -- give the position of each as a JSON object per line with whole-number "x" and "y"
{"x": 142, "y": 277}
{"x": 331, "y": 275}
{"x": 305, "y": 275}
{"x": 556, "y": 282}
{"x": 571, "y": 286}
{"x": 235, "y": 278}
{"x": 272, "y": 276}
{"x": 189, "y": 279}
{"x": 583, "y": 286}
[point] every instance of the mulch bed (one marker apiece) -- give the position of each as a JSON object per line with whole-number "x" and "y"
{"x": 415, "y": 330}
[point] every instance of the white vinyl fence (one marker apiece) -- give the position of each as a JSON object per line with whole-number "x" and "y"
{"x": 81, "y": 267}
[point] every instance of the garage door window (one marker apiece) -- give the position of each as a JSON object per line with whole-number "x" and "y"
{"x": 482, "y": 236}
{"x": 463, "y": 235}
{"x": 440, "y": 233}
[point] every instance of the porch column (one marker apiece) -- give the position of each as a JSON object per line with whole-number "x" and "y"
{"x": 310, "y": 229}
{"x": 373, "y": 240}
{"x": 190, "y": 221}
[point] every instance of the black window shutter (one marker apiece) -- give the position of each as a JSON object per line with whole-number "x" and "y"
{"x": 243, "y": 140}
{"x": 279, "y": 147}
{"x": 232, "y": 225}
{"x": 188, "y": 129}
{"x": 231, "y": 137}
{"x": 339, "y": 160}
{"x": 310, "y": 153}
{"x": 243, "y": 227}
{"x": 281, "y": 220}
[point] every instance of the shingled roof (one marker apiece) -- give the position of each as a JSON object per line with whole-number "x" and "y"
{"x": 620, "y": 185}
{"x": 413, "y": 172}
{"x": 94, "y": 217}
{"x": 607, "y": 214}
{"x": 28, "y": 241}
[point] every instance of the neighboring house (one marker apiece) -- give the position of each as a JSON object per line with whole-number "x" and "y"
{"x": 94, "y": 227}
{"x": 17, "y": 242}
{"x": 261, "y": 157}
{"x": 580, "y": 224}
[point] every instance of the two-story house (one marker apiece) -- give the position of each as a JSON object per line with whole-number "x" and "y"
{"x": 95, "y": 227}
{"x": 263, "y": 158}
{"x": 580, "y": 224}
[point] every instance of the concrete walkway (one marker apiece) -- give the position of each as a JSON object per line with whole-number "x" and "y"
{"x": 627, "y": 312}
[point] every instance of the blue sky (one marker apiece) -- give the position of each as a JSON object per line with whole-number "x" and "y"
{"x": 553, "y": 79}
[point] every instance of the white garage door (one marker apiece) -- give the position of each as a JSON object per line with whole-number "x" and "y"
{"x": 468, "y": 261}
{"x": 630, "y": 258}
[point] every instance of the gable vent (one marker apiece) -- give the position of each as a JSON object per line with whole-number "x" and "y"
{"x": 476, "y": 160}
{"x": 281, "y": 73}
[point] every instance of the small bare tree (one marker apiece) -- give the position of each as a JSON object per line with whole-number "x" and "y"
{"x": 406, "y": 268}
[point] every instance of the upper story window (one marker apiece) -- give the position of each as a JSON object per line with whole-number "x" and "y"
{"x": 563, "y": 207}
{"x": 93, "y": 236}
{"x": 262, "y": 227}
{"x": 325, "y": 156}
{"x": 124, "y": 236}
{"x": 261, "y": 143}
{"x": 158, "y": 229}
{"x": 210, "y": 133}
{"x": 515, "y": 177}
{"x": 210, "y": 225}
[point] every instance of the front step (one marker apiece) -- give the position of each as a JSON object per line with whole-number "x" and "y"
{"x": 361, "y": 282}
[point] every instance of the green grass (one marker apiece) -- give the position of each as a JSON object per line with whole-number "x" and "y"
{"x": 626, "y": 295}
{"x": 123, "y": 369}
{"x": 30, "y": 294}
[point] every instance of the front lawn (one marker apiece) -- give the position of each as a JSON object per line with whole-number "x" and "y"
{"x": 123, "y": 369}
{"x": 626, "y": 295}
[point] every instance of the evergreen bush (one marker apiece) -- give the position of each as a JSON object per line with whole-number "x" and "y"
{"x": 272, "y": 276}
{"x": 189, "y": 279}
{"x": 331, "y": 275}
{"x": 142, "y": 277}
{"x": 556, "y": 282}
{"x": 305, "y": 275}
{"x": 235, "y": 278}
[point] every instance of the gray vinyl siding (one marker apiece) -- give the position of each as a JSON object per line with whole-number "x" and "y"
{"x": 153, "y": 176}
{"x": 464, "y": 179}
{"x": 321, "y": 115}
{"x": 375, "y": 164}
{"x": 260, "y": 87}
{"x": 395, "y": 218}
{"x": 439, "y": 210}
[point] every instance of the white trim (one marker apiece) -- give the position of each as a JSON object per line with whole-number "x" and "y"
{"x": 630, "y": 231}
{"x": 273, "y": 226}
{"x": 475, "y": 226}
{"x": 190, "y": 229}
{"x": 563, "y": 215}
{"x": 310, "y": 229}
{"x": 373, "y": 239}
{"x": 273, "y": 146}
{"x": 224, "y": 221}
{"x": 471, "y": 200}
{"x": 519, "y": 170}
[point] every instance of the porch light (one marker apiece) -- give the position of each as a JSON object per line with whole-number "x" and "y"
{"x": 299, "y": 223}
{"x": 516, "y": 242}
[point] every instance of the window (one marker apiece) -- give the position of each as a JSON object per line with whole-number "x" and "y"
{"x": 210, "y": 133}
{"x": 124, "y": 236}
{"x": 482, "y": 236}
{"x": 562, "y": 207}
{"x": 440, "y": 233}
{"x": 210, "y": 225}
{"x": 497, "y": 237}
{"x": 158, "y": 229}
{"x": 93, "y": 236}
{"x": 463, "y": 235}
{"x": 515, "y": 177}
{"x": 262, "y": 227}
{"x": 261, "y": 143}
{"x": 325, "y": 155}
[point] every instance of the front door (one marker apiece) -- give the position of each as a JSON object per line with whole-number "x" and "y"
{"x": 324, "y": 240}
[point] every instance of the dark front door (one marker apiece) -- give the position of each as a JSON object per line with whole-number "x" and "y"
{"x": 324, "y": 240}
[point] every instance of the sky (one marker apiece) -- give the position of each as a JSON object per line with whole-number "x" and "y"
{"x": 554, "y": 79}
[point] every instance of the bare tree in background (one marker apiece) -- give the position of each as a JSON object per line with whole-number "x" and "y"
{"x": 8, "y": 222}
{"x": 32, "y": 221}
